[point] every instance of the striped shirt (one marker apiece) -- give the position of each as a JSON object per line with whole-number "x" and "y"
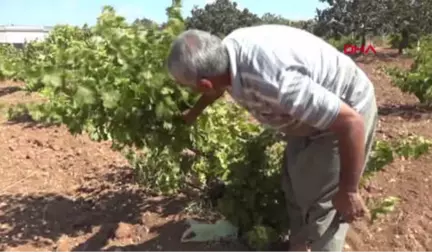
{"x": 291, "y": 80}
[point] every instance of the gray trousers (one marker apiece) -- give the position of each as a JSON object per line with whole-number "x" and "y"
{"x": 310, "y": 180}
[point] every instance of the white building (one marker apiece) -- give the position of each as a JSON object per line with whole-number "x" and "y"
{"x": 20, "y": 34}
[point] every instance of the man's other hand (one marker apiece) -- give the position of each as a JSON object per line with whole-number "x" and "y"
{"x": 350, "y": 205}
{"x": 188, "y": 116}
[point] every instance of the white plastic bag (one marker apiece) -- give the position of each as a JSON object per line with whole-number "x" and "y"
{"x": 204, "y": 232}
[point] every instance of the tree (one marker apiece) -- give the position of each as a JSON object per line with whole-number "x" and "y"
{"x": 409, "y": 18}
{"x": 307, "y": 25}
{"x": 351, "y": 17}
{"x": 221, "y": 18}
{"x": 145, "y": 22}
{"x": 269, "y": 18}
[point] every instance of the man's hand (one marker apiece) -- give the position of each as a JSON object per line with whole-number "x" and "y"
{"x": 350, "y": 205}
{"x": 188, "y": 117}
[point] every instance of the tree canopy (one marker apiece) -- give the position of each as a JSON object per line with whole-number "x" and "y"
{"x": 221, "y": 17}
{"x": 407, "y": 20}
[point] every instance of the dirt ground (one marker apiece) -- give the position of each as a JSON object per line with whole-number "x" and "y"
{"x": 59, "y": 192}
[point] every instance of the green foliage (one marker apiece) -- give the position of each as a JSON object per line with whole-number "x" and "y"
{"x": 10, "y": 62}
{"x": 110, "y": 81}
{"x": 32, "y": 111}
{"x": 217, "y": 138}
{"x": 269, "y": 18}
{"x": 395, "y": 40}
{"x": 417, "y": 80}
{"x": 260, "y": 237}
{"x": 254, "y": 194}
{"x": 221, "y": 18}
{"x": 344, "y": 18}
{"x": 384, "y": 152}
{"x": 412, "y": 147}
{"x": 381, "y": 155}
{"x": 382, "y": 206}
{"x": 341, "y": 42}
{"x": 372, "y": 17}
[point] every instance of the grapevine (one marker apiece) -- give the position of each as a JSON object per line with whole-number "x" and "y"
{"x": 110, "y": 81}
{"x": 418, "y": 79}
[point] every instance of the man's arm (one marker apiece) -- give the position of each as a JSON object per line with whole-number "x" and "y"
{"x": 350, "y": 129}
{"x": 316, "y": 106}
{"x": 203, "y": 102}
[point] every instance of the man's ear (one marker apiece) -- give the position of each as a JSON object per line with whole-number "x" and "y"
{"x": 205, "y": 84}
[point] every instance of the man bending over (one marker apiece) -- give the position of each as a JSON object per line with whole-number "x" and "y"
{"x": 298, "y": 84}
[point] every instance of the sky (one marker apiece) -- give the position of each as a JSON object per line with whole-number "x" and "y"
{"x": 79, "y": 12}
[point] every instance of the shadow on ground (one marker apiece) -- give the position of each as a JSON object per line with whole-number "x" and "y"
{"x": 41, "y": 218}
{"x": 382, "y": 56}
{"x": 26, "y": 120}
{"x": 408, "y": 111}
{"x": 9, "y": 90}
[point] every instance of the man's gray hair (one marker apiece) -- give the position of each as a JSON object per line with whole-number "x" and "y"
{"x": 197, "y": 54}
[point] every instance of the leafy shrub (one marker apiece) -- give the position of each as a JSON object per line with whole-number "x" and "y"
{"x": 340, "y": 43}
{"x": 10, "y": 62}
{"x": 110, "y": 81}
{"x": 395, "y": 40}
{"x": 417, "y": 80}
